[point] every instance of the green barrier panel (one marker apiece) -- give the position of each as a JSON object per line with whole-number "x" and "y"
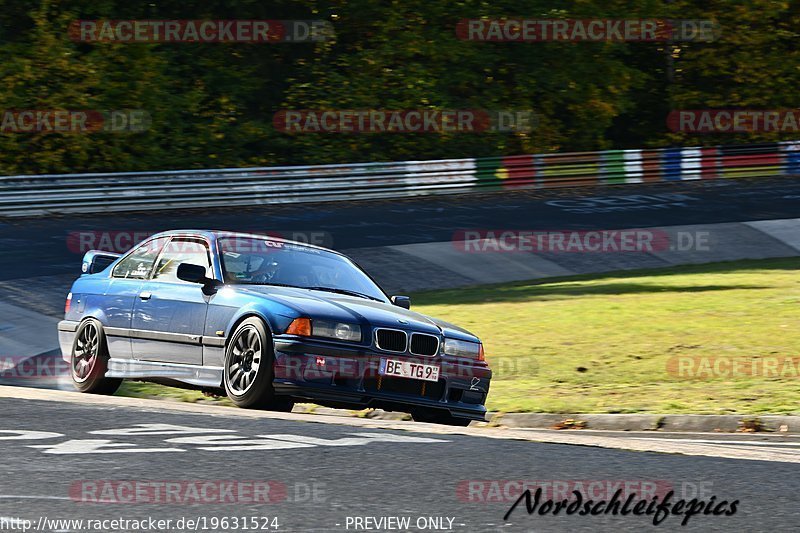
{"x": 612, "y": 169}
{"x": 490, "y": 172}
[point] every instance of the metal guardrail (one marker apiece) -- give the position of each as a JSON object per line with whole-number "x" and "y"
{"x": 34, "y": 195}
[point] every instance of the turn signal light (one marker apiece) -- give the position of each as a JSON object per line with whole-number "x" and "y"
{"x": 481, "y": 357}
{"x": 300, "y": 326}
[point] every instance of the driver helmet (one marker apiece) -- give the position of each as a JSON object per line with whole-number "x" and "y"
{"x": 269, "y": 269}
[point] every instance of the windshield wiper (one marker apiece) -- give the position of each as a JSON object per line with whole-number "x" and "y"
{"x": 344, "y": 291}
{"x": 268, "y": 283}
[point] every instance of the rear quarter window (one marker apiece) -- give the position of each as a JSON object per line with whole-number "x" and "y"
{"x": 138, "y": 263}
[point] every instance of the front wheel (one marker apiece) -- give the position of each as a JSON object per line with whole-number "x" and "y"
{"x": 89, "y": 360}
{"x": 249, "y": 368}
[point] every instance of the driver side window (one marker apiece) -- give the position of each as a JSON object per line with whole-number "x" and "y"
{"x": 182, "y": 250}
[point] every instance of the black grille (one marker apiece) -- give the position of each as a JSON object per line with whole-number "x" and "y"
{"x": 422, "y": 344}
{"x": 391, "y": 340}
{"x": 410, "y": 387}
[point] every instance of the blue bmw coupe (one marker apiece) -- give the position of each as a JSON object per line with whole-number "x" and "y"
{"x": 267, "y": 322}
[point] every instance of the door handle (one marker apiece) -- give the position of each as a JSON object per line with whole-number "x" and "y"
{"x": 145, "y": 295}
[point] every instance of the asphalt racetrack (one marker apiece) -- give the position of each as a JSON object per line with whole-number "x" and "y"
{"x": 131, "y": 459}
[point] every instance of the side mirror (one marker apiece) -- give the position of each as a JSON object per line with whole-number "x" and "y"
{"x": 192, "y": 273}
{"x": 197, "y": 274}
{"x": 402, "y": 301}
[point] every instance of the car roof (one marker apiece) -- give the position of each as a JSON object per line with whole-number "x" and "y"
{"x": 215, "y": 234}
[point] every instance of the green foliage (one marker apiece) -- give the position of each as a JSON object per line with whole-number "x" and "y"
{"x": 212, "y": 105}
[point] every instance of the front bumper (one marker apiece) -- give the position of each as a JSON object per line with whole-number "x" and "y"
{"x": 345, "y": 376}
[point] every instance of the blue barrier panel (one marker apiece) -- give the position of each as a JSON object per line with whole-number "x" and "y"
{"x": 671, "y": 164}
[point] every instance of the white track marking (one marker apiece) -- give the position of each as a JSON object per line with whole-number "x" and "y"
{"x": 21, "y": 434}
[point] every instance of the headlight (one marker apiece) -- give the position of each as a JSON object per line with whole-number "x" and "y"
{"x": 473, "y": 350}
{"x": 336, "y": 330}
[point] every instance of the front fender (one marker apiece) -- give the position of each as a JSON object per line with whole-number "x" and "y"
{"x": 277, "y": 323}
{"x": 214, "y": 352}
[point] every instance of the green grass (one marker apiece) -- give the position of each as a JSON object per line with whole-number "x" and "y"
{"x": 594, "y": 344}
{"x": 601, "y": 344}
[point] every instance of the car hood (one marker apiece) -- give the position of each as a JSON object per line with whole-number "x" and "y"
{"x": 324, "y": 305}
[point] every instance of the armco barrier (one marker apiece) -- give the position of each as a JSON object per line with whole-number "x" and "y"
{"x": 128, "y": 191}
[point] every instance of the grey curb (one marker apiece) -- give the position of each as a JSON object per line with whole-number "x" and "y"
{"x": 607, "y": 422}
{"x": 649, "y": 422}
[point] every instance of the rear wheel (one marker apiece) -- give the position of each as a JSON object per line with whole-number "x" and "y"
{"x": 89, "y": 360}
{"x": 439, "y": 417}
{"x": 249, "y": 368}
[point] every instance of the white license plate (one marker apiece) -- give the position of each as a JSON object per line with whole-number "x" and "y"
{"x": 408, "y": 369}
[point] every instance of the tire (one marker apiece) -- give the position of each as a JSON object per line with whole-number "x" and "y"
{"x": 89, "y": 360}
{"x": 437, "y": 417}
{"x": 248, "y": 370}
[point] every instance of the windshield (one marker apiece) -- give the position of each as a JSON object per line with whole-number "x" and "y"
{"x": 261, "y": 261}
